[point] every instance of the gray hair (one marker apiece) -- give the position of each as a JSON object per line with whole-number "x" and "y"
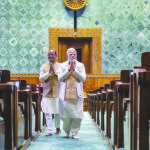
{"x": 51, "y": 50}
{"x": 71, "y": 50}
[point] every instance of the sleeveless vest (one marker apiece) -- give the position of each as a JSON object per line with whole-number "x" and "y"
{"x": 71, "y": 89}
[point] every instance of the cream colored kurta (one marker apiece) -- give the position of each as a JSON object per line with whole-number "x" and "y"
{"x": 71, "y": 108}
{"x": 50, "y": 100}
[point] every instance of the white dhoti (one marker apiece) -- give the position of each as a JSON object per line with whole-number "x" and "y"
{"x": 72, "y": 113}
{"x": 71, "y": 108}
{"x": 71, "y": 124}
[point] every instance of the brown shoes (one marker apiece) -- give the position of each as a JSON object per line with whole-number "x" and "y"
{"x": 58, "y": 131}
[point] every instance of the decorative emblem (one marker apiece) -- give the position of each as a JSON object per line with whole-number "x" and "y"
{"x": 75, "y": 4}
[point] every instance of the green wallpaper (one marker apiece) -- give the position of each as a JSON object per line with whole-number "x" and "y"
{"x": 24, "y": 31}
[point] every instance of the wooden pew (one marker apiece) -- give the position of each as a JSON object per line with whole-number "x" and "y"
{"x": 7, "y": 94}
{"x": 131, "y": 106}
{"x": 100, "y": 119}
{"x": 43, "y": 120}
{"x": 136, "y": 108}
{"x": 145, "y": 60}
{"x": 2, "y": 126}
{"x": 24, "y": 96}
{"x": 8, "y": 112}
{"x": 18, "y": 118}
{"x": 30, "y": 98}
{"x": 36, "y": 102}
{"x": 98, "y": 106}
{"x": 105, "y": 108}
{"x": 89, "y": 102}
{"x": 96, "y": 116}
{"x": 129, "y": 110}
{"x": 109, "y": 99}
{"x": 4, "y": 76}
{"x": 121, "y": 90}
{"x": 141, "y": 105}
{"x": 111, "y": 112}
{"x": 16, "y": 114}
{"x": 92, "y": 104}
{"x": 20, "y": 125}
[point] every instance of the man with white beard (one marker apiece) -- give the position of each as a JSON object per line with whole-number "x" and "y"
{"x": 71, "y": 75}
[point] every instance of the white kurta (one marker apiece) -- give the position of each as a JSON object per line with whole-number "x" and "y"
{"x": 50, "y": 100}
{"x": 50, "y": 105}
{"x": 71, "y": 108}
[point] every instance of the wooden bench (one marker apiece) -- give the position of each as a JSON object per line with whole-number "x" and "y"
{"x": 105, "y": 108}
{"x": 36, "y": 102}
{"x": 141, "y": 105}
{"x": 7, "y": 93}
{"x": 2, "y": 126}
{"x": 99, "y": 108}
{"x": 127, "y": 105}
{"x": 109, "y": 99}
{"x": 135, "y": 121}
{"x": 8, "y": 109}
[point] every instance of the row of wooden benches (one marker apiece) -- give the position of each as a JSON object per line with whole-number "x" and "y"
{"x": 121, "y": 109}
{"x": 21, "y": 117}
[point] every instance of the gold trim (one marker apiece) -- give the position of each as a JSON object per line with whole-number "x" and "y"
{"x": 103, "y": 76}
{"x": 75, "y": 4}
{"x": 93, "y": 81}
{"x": 36, "y": 75}
{"x": 94, "y": 33}
{"x": 25, "y": 75}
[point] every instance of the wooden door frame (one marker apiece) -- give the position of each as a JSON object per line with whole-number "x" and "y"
{"x": 94, "y": 33}
{"x": 77, "y": 43}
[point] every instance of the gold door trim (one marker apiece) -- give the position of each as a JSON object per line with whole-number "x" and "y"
{"x": 94, "y": 33}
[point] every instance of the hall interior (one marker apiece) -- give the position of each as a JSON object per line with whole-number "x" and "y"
{"x": 112, "y": 40}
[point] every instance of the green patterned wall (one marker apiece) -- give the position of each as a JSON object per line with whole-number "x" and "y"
{"x": 24, "y": 31}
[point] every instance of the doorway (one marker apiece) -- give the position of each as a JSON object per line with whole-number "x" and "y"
{"x": 79, "y": 54}
{"x": 82, "y": 46}
{"x": 91, "y": 50}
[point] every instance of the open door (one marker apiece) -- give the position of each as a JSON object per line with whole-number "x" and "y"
{"x": 82, "y": 46}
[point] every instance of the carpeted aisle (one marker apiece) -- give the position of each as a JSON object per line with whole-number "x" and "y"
{"x": 90, "y": 139}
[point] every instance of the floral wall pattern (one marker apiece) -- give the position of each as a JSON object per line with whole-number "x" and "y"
{"x": 24, "y": 31}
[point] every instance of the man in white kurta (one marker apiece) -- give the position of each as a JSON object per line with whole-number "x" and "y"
{"x": 71, "y": 75}
{"x": 50, "y": 100}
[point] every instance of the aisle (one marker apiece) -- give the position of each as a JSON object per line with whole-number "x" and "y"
{"x": 90, "y": 139}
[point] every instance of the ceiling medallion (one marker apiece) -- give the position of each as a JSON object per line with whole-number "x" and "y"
{"x": 75, "y": 4}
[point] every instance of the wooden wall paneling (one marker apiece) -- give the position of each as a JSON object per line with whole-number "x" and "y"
{"x": 85, "y": 56}
{"x": 92, "y": 81}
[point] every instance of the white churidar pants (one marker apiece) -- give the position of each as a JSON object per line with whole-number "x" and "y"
{"x": 49, "y": 121}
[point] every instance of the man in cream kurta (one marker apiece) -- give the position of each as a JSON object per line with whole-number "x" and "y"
{"x": 50, "y": 100}
{"x": 71, "y": 75}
